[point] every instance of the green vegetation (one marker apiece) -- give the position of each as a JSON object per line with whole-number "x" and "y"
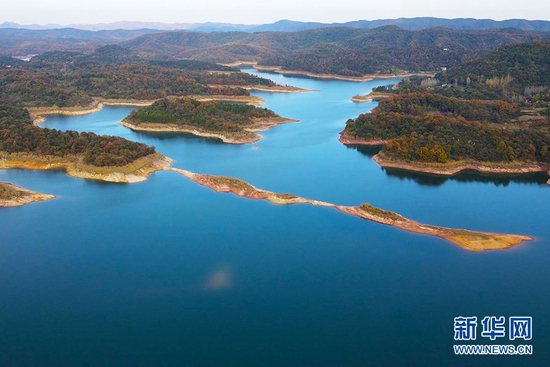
{"x": 19, "y": 135}
{"x": 439, "y": 122}
{"x": 519, "y": 73}
{"x": 379, "y": 212}
{"x": 231, "y": 182}
{"x": 338, "y": 50}
{"x": 286, "y": 196}
{"x": 210, "y": 116}
{"x": 67, "y": 79}
{"x": 8, "y": 192}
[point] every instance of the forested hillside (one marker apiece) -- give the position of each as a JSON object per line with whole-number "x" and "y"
{"x": 211, "y": 115}
{"x": 19, "y": 135}
{"x": 496, "y": 109}
{"x": 69, "y": 79}
{"x": 20, "y": 42}
{"x": 342, "y": 51}
{"x": 347, "y": 51}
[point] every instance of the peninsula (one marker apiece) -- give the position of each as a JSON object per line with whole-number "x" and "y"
{"x": 85, "y": 155}
{"x": 12, "y": 195}
{"x": 372, "y": 96}
{"x": 75, "y": 166}
{"x": 489, "y": 115}
{"x": 230, "y": 122}
{"x": 468, "y": 240}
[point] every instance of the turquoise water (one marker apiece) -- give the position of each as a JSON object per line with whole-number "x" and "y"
{"x": 166, "y": 272}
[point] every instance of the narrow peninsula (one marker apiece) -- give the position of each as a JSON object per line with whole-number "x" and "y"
{"x": 12, "y": 195}
{"x": 232, "y": 123}
{"x": 468, "y": 240}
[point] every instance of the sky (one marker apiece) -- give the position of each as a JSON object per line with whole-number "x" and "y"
{"x": 262, "y": 11}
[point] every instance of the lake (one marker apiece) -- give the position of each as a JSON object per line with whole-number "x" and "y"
{"x": 167, "y": 272}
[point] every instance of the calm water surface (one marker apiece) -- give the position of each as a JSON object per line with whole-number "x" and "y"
{"x": 166, "y": 272}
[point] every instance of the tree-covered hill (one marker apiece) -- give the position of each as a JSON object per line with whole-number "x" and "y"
{"x": 68, "y": 79}
{"x": 19, "y": 135}
{"x": 338, "y": 50}
{"x": 211, "y": 116}
{"x": 520, "y": 69}
{"x": 71, "y": 79}
{"x": 495, "y": 109}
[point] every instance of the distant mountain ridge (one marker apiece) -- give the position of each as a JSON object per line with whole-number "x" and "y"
{"x": 293, "y": 26}
{"x": 343, "y": 51}
{"x": 15, "y": 41}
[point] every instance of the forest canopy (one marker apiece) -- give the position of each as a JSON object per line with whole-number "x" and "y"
{"x": 496, "y": 109}
{"x": 19, "y": 135}
{"x": 211, "y": 115}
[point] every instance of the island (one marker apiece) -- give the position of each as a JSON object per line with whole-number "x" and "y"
{"x": 231, "y": 122}
{"x": 12, "y": 195}
{"x": 491, "y": 115}
{"x": 468, "y": 240}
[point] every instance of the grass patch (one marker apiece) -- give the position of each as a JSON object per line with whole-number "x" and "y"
{"x": 379, "y": 212}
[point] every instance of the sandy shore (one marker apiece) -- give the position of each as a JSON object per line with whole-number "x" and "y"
{"x": 245, "y": 137}
{"x": 280, "y": 70}
{"x": 468, "y": 240}
{"x": 136, "y": 171}
{"x": 21, "y": 196}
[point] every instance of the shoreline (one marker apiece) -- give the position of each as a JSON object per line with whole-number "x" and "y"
{"x": 136, "y": 171}
{"x": 38, "y": 113}
{"x": 248, "y": 135}
{"x": 466, "y": 239}
{"x": 24, "y": 197}
{"x": 280, "y": 70}
{"x": 453, "y": 168}
{"x": 273, "y": 89}
{"x": 447, "y": 169}
{"x": 371, "y": 143}
{"x": 372, "y": 96}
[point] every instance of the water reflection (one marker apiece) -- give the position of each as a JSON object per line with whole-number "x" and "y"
{"x": 427, "y": 179}
{"x": 168, "y": 136}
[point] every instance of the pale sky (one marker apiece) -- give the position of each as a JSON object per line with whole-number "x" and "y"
{"x": 262, "y": 11}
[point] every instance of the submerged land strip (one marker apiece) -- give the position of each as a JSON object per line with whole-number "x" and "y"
{"x": 140, "y": 169}
{"x": 12, "y": 195}
{"x": 468, "y": 240}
